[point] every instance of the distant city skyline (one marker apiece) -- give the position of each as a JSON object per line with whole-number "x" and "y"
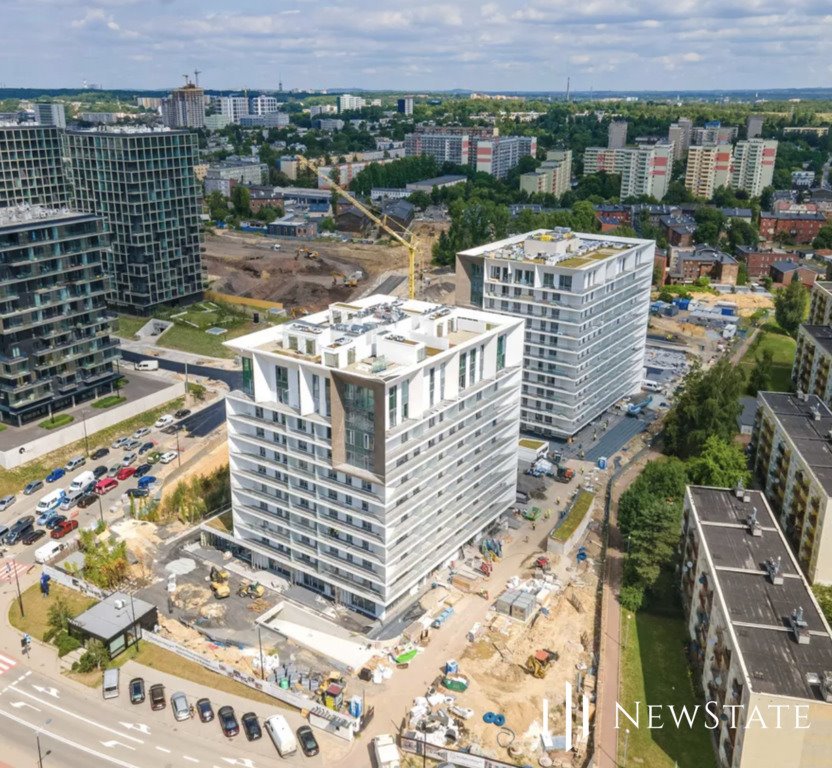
{"x": 511, "y": 45}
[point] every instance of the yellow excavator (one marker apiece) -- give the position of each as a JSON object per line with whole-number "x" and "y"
{"x": 219, "y": 583}
{"x": 537, "y": 665}
{"x": 252, "y": 589}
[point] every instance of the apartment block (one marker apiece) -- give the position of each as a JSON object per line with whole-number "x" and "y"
{"x": 53, "y": 114}
{"x": 708, "y": 169}
{"x": 220, "y": 176}
{"x": 554, "y": 176}
{"x": 813, "y": 360}
{"x": 761, "y": 649}
{"x": 143, "y": 182}
{"x": 498, "y": 155}
{"x": 644, "y": 170}
{"x": 347, "y": 102}
{"x": 714, "y": 133}
{"x": 55, "y": 343}
{"x": 441, "y": 146}
{"x": 217, "y": 122}
{"x": 752, "y": 169}
{"x": 680, "y": 134}
{"x": 32, "y": 166}
{"x": 585, "y": 299}
{"x": 271, "y": 120}
{"x": 792, "y": 450}
{"x": 233, "y": 107}
{"x": 264, "y": 105}
{"x": 820, "y": 308}
{"x": 617, "y": 134}
{"x": 404, "y": 106}
{"x": 184, "y": 108}
{"x": 754, "y": 126}
{"x": 370, "y": 442}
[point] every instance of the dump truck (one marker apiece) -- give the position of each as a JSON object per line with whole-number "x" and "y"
{"x": 537, "y": 665}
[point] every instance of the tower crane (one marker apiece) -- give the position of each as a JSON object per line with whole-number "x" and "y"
{"x": 405, "y": 239}
{"x": 197, "y": 73}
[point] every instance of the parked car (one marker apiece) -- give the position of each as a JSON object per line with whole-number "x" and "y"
{"x": 146, "y": 447}
{"x": 99, "y": 453}
{"x": 164, "y": 421}
{"x": 153, "y": 457}
{"x": 18, "y": 531}
{"x": 128, "y": 459}
{"x": 46, "y": 517}
{"x": 88, "y": 500}
{"x": 32, "y": 487}
{"x": 167, "y": 457}
{"x": 55, "y": 521}
{"x": 179, "y": 706}
{"x": 205, "y": 710}
{"x": 308, "y": 742}
{"x": 182, "y": 413}
{"x": 146, "y": 481}
{"x": 33, "y": 536}
{"x": 131, "y": 444}
{"x": 6, "y": 502}
{"x": 55, "y": 475}
{"x": 251, "y": 727}
{"x": 141, "y": 432}
{"x": 105, "y": 485}
{"x": 137, "y": 493}
{"x": 119, "y": 442}
{"x": 157, "y": 696}
{"x": 137, "y": 690}
{"x": 99, "y": 471}
{"x": 114, "y": 468}
{"x": 142, "y": 470}
{"x": 125, "y": 472}
{"x": 228, "y": 721}
{"x": 62, "y": 529}
{"x": 78, "y": 461}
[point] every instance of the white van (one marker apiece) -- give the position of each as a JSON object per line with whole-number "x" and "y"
{"x": 80, "y": 482}
{"x": 282, "y": 735}
{"x": 51, "y": 501}
{"x": 48, "y": 551}
{"x": 147, "y": 365}
{"x": 651, "y": 386}
{"x": 109, "y": 688}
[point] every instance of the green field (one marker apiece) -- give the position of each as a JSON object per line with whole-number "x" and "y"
{"x": 127, "y": 325}
{"x": 654, "y": 670}
{"x": 196, "y": 341}
{"x": 783, "y": 349}
{"x": 109, "y": 401}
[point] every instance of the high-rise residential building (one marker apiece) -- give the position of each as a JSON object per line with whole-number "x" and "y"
{"x": 217, "y": 122}
{"x": 496, "y": 156}
{"x": 715, "y": 133}
{"x": 813, "y": 357}
{"x": 644, "y": 170}
{"x": 754, "y": 126}
{"x": 441, "y": 146}
{"x": 53, "y": 114}
{"x": 405, "y": 105}
{"x": 149, "y": 102}
{"x": 680, "y": 134}
{"x": 55, "y": 343}
{"x": 264, "y": 105}
{"x": 585, "y": 299}
{"x": 322, "y": 109}
{"x": 370, "y": 442}
{"x": 708, "y": 169}
{"x": 143, "y": 182}
{"x": 233, "y": 107}
{"x": 760, "y": 647}
{"x": 554, "y": 175}
{"x": 185, "y": 107}
{"x": 752, "y": 169}
{"x": 617, "y": 134}
{"x": 347, "y": 102}
{"x": 32, "y": 166}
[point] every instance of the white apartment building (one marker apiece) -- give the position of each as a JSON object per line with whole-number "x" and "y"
{"x": 233, "y": 107}
{"x": 264, "y": 105}
{"x": 644, "y": 170}
{"x": 680, "y": 134}
{"x": 753, "y": 166}
{"x": 708, "y": 169}
{"x": 370, "y": 442}
{"x": 347, "y": 101}
{"x": 585, "y": 299}
{"x": 617, "y": 134}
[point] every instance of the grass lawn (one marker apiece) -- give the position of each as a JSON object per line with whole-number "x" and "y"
{"x": 195, "y": 340}
{"x": 783, "y": 349}
{"x": 35, "y": 607}
{"x": 654, "y": 670}
{"x": 58, "y": 420}
{"x": 126, "y": 326}
{"x": 12, "y": 480}
{"x": 109, "y": 401}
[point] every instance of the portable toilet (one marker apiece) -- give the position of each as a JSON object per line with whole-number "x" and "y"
{"x": 602, "y": 462}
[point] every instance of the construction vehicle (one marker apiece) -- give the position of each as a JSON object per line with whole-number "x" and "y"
{"x": 219, "y": 583}
{"x": 537, "y": 665}
{"x": 405, "y": 238}
{"x": 542, "y": 562}
{"x": 252, "y": 589}
{"x": 564, "y": 474}
{"x": 634, "y": 409}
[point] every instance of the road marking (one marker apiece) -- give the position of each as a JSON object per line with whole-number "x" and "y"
{"x": 75, "y": 715}
{"x": 53, "y": 692}
{"x": 163, "y": 749}
{"x": 243, "y": 761}
{"x": 6, "y": 664}
{"x": 10, "y": 568}
{"x": 141, "y": 727}
{"x": 63, "y": 740}
{"x": 113, "y": 743}
{"x": 19, "y": 704}
{"x": 190, "y": 759}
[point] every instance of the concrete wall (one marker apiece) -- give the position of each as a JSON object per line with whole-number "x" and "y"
{"x": 55, "y": 439}
{"x": 557, "y": 547}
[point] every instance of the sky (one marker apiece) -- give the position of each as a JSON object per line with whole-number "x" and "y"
{"x": 412, "y": 46}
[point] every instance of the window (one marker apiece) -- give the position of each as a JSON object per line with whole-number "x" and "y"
{"x": 293, "y": 342}
{"x": 405, "y": 399}
{"x": 327, "y": 398}
{"x": 248, "y": 377}
{"x": 310, "y": 347}
{"x": 431, "y": 387}
{"x": 258, "y": 412}
{"x": 281, "y": 384}
{"x": 472, "y": 366}
{"x": 350, "y": 355}
{"x": 463, "y": 359}
{"x": 548, "y": 280}
{"x": 565, "y": 282}
{"x": 501, "y": 352}
{"x": 442, "y": 382}
{"x": 316, "y": 393}
{"x": 392, "y": 405}
{"x": 482, "y": 362}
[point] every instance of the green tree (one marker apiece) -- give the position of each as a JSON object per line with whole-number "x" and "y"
{"x": 760, "y": 378}
{"x": 241, "y": 200}
{"x": 664, "y": 478}
{"x": 709, "y": 224}
{"x": 57, "y": 618}
{"x": 790, "y": 304}
{"x": 742, "y": 274}
{"x": 823, "y": 593}
{"x": 420, "y": 199}
{"x": 824, "y": 237}
{"x": 742, "y": 233}
{"x": 217, "y": 206}
{"x": 722, "y": 464}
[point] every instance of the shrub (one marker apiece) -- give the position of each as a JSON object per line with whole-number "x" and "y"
{"x": 66, "y": 643}
{"x": 95, "y": 657}
{"x": 631, "y": 597}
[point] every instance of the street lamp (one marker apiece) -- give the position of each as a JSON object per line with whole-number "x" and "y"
{"x": 84, "y": 422}
{"x": 19, "y": 596}
{"x": 37, "y": 741}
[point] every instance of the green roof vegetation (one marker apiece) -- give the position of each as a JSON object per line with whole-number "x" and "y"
{"x": 525, "y": 442}
{"x": 576, "y": 514}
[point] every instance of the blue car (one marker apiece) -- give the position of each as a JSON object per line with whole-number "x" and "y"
{"x": 146, "y": 481}
{"x": 55, "y": 474}
{"x": 142, "y": 470}
{"x": 45, "y": 518}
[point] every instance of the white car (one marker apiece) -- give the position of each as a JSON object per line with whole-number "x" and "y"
{"x": 164, "y": 421}
{"x": 128, "y": 459}
{"x": 141, "y": 432}
{"x": 167, "y": 457}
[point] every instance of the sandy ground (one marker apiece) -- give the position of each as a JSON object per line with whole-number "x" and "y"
{"x": 748, "y": 303}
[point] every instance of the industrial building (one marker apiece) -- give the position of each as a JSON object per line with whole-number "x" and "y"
{"x": 32, "y": 166}
{"x": 644, "y": 170}
{"x": 792, "y": 451}
{"x": 585, "y": 298}
{"x": 184, "y": 108}
{"x": 370, "y": 442}
{"x": 143, "y": 182}
{"x": 760, "y": 646}
{"x": 55, "y": 343}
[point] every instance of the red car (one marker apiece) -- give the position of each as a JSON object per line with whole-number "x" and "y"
{"x": 105, "y": 484}
{"x": 62, "y": 529}
{"x": 125, "y": 472}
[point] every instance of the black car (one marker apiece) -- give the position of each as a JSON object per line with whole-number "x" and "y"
{"x": 54, "y": 522}
{"x": 228, "y": 721}
{"x": 100, "y": 471}
{"x": 205, "y": 710}
{"x": 145, "y": 447}
{"x": 87, "y": 500}
{"x": 137, "y": 690}
{"x": 251, "y": 726}
{"x": 157, "y": 696}
{"x": 99, "y": 453}
{"x": 33, "y": 536}
{"x": 137, "y": 493}
{"x": 307, "y": 740}
{"x": 142, "y": 470}
{"x": 182, "y": 413}
{"x": 19, "y": 529}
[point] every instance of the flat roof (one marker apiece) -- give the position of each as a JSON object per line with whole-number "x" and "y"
{"x": 757, "y": 611}
{"x": 25, "y": 215}
{"x": 113, "y": 615}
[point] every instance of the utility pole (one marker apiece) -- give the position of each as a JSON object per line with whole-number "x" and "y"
{"x": 178, "y": 452}
{"x": 19, "y": 596}
{"x": 84, "y": 422}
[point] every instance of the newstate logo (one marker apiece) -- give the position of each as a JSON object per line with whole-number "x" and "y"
{"x": 548, "y": 739}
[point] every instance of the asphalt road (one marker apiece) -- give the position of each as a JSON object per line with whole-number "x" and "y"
{"x": 234, "y": 379}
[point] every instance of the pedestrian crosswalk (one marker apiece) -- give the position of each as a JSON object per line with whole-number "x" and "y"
{"x": 9, "y": 568}
{"x": 6, "y": 664}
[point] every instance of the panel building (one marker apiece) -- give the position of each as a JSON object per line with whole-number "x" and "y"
{"x": 617, "y": 134}
{"x": 680, "y": 134}
{"x": 644, "y": 170}
{"x": 708, "y": 169}
{"x": 143, "y": 182}
{"x": 53, "y": 114}
{"x": 585, "y": 299}
{"x": 370, "y": 442}
{"x": 752, "y": 169}
{"x": 32, "y": 166}
{"x": 264, "y": 105}
{"x": 554, "y": 176}
{"x": 404, "y": 106}
{"x": 233, "y": 107}
{"x": 55, "y": 343}
{"x": 760, "y": 646}
{"x": 185, "y": 107}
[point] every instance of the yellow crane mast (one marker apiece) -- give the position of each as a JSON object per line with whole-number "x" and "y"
{"x": 411, "y": 248}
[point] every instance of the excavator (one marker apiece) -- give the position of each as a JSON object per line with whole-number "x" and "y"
{"x": 219, "y": 583}
{"x": 253, "y": 589}
{"x": 537, "y": 665}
